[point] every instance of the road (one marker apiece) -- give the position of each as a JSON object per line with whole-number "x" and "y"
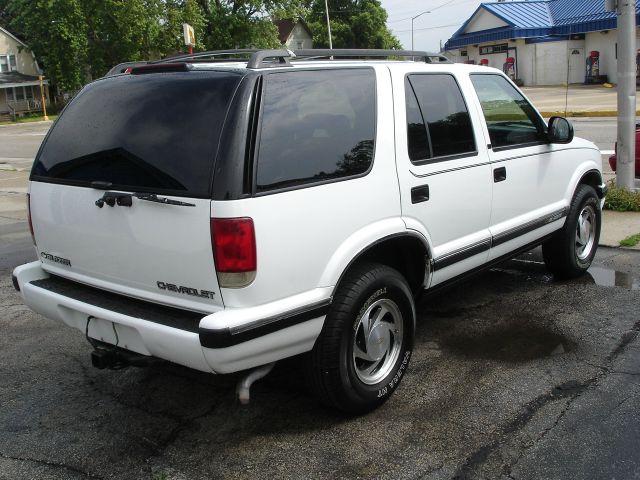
{"x": 514, "y": 376}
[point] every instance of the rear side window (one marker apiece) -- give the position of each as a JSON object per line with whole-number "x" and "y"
{"x": 511, "y": 120}
{"x": 154, "y": 132}
{"x": 438, "y": 122}
{"x": 316, "y": 126}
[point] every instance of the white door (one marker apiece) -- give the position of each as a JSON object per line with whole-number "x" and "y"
{"x": 442, "y": 166}
{"x": 529, "y": 181}
{"x": 576, "y": 65}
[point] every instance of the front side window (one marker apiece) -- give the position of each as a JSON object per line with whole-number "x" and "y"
{"x": 316, "y": 126}
{"x": 511, "y": 120}
{"x": 438, "y": 122}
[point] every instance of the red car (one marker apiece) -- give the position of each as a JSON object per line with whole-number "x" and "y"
{"x": 612, "y": 158}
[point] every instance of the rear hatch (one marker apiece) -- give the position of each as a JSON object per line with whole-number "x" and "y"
{"x": 121, "y": 187}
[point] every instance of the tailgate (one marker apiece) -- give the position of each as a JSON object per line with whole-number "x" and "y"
{"x": 152, "y": 139}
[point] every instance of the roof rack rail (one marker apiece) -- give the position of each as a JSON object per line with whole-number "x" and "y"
{"x": 255, "y": 61}
{"x": 354, "y": 52}
{"x": 282, "y": 56}
{"x": 207, "y": 54}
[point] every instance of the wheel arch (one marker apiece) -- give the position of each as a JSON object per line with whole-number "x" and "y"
{"x": 407, "y": 252}
{"x": 587, "y": 175}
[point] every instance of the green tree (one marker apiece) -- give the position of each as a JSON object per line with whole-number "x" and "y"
{"x": 56, "y": 31}
{"x": 354, "y": 24}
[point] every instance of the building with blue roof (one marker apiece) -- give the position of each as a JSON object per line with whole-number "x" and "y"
{"x": 548, "y": 42}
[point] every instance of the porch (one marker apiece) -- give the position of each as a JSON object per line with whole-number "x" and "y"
{"x": 20, "y": 94}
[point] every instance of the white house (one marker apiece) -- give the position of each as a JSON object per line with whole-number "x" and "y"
{"x": 294, "y": 35}
{"x": 550, "y": 41}
{"x": 19, "y": 81}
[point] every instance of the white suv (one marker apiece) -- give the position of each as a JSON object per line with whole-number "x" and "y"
{"x": 226, "y": 215}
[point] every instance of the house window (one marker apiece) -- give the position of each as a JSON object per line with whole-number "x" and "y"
{"x": 300, "y": 44}
{"x": 489, "y": 49}
{"x": 19, "y": 93}
{"x": 8, "y": 63}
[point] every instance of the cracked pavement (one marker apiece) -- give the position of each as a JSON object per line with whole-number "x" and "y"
{"x": 513, "y": 376}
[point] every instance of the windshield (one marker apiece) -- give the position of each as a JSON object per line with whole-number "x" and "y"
{"x": 154, "y": 132}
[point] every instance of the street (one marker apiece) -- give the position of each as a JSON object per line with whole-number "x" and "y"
{"x": 514, "y": 375}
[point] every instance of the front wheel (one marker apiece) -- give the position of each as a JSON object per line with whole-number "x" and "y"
{"x": 365, "y": 344}
{"x": 569, "y": 253}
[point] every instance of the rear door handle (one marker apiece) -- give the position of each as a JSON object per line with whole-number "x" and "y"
{"x": 499, "y": 174}
{"x": 420, "y": 194}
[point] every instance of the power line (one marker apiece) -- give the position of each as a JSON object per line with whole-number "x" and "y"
{"x": 435, "y": 8}
{"x": 428, "y": 28}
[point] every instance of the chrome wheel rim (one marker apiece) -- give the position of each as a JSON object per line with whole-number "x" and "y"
{"x": 585, "y": 232}
{"x": 377, "y": 341}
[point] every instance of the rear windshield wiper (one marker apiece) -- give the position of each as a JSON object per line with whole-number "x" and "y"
{"x": 152, "y": 197}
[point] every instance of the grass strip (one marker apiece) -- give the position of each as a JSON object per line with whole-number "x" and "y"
{"x": 631, "y": 241}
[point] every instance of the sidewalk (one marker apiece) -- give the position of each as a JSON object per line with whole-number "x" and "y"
{"x": 580, "y": 100}
{"x": 616, "y": 226}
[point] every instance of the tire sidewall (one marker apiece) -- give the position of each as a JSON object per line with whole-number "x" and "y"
{"x": 586, "y": 197}
{"x": 394, "y": 288}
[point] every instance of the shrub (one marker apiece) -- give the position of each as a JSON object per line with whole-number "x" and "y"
{"x": 622, "y": 200}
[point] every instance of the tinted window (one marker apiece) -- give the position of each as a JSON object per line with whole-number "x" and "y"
{"x": 153, "y": 132}
{"x": 316, "y": 125}
{"x": 510, "y": 118}
{"x": 417, "y": 139}
{"x": 443, "y": 112}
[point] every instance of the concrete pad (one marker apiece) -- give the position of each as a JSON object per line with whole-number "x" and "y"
{"x": 617, "y": 226}
{"x": 578, "y": 98}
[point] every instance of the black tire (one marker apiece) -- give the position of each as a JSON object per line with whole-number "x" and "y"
{"x": 336, "y": 373}
{"x": 563, "y": 253}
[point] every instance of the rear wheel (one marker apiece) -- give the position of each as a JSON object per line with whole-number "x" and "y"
{"x": 365, "y": 344}
{"x": 569, "y": 253}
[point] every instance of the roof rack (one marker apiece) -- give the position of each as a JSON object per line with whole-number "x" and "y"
{"x": 255, "y": 61}
{"x": 281, "y": 57}
{"x": 354, "y": 52}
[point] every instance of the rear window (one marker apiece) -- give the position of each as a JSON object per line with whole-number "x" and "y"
{"x": 154, "y": 132}
{"x": 317, "y": 126}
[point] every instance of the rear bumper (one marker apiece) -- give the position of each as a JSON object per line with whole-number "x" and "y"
{"x": 221, "y": 342}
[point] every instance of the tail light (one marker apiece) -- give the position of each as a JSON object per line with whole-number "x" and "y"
{"x": 234, "y": 251}
{"x": 33, "y": 237}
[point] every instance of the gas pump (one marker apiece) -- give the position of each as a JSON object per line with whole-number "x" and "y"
{"x": 593, "y": 67}
{"x": 484, "y": 62}
{"x": 509, "y": 68}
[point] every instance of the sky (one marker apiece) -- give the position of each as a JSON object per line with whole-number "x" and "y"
{"x": 429, "y": 29}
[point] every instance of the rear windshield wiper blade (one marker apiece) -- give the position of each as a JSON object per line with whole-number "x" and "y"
{"x": 152, "y": 197}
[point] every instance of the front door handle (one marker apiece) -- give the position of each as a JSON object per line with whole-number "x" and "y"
{"x": 499, "y": 174}
{"x": 420, "y": 194}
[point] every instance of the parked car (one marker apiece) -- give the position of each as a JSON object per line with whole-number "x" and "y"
{"x": 613, "y": 158}
{"x": 224, "y": 216}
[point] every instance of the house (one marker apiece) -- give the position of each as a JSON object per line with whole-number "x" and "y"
{"x": 294, "y": 35}
{"x": 19, "y": 77}
{"x": 547, "y": 42}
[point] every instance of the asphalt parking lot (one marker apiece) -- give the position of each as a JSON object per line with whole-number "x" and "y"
{"x": 514, "y": 375}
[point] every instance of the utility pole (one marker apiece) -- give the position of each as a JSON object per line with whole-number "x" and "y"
{"x": 326, "y": 7}
{"x": 625, "y": 168}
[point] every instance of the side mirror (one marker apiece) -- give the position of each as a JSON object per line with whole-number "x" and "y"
{"x": 560, "y": 130}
